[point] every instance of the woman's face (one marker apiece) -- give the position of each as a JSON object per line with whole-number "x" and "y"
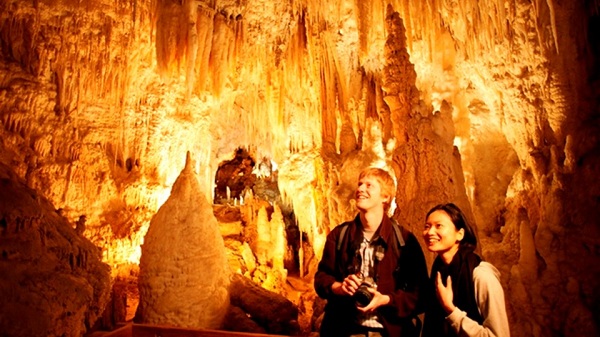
{"x": 440, "y": 234}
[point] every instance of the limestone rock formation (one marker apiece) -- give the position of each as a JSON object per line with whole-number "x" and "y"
{"x": 53, "y": 280}
{"x": 239, "y": 320}
{"x": 184, "y": 273}
{"x": 492, "y": 104}
{"x": 276, "y": 314}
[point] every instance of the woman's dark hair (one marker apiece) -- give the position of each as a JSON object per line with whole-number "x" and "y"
{"x": 460, "y": 221}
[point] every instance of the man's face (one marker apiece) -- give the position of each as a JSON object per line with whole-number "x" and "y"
{"x": 368, "y": 194}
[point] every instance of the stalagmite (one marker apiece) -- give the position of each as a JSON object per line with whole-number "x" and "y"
{"x": 264, "y": 238}
{"x": 184, "y": 275}
{"x": 278, "y": 241}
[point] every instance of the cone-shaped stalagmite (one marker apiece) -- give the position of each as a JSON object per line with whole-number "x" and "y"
{"x": 184, "y": 275}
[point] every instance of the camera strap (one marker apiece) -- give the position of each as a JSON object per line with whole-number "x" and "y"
{"x": 395, "y": 226}
{"x": 379, "y": 250}
{"x": 378, "y": 256}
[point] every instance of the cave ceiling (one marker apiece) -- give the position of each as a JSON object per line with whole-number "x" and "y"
{"x": 493, "y": 104}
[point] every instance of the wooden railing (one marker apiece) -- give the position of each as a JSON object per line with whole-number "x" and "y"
{"x": 146, "y": 330}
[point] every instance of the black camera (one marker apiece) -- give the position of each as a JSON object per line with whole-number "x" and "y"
{"x": 362, "y": 296}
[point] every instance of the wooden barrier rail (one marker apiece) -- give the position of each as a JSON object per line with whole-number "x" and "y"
{"x": 147, "y": 330}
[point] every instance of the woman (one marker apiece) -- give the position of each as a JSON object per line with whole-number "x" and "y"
{"x": 467, "y": 298}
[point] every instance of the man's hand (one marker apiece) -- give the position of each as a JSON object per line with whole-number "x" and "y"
{"x": 444, "y": 293}
{"x": 348, "y": 287}
{"x": 378, "y": 300}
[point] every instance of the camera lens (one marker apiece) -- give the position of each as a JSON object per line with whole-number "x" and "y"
{"x": 362, "y": 296}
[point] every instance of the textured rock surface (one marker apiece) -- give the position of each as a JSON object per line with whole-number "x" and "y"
{"x": 276, "y": 314}
{"x": 53, "y": 281}
{"x": 184, "y": 274}
{"x": 492, "y": 104}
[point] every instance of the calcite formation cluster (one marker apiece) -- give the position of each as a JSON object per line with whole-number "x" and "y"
{"x": 491, "y": 104}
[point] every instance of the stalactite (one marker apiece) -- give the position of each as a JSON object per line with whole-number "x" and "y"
{"x": 300, "y": 123}
{"x": 553, "y": 23}
{"x": 485, "y": 23}
{"x": 535, "y": 5}
{"x": 62, "y": 92}
{"x": 193, "y": 46}
{"x": 42, "y": 146}
{"x": 232, "y": 45}
{"x": 21, "y": 34}
{"x": 371, "y": 98}
{"x": 239, "y": 33}
{"x": 363, "y": 21}
{"x": 198, "y": 65}
{"x": 223, "y": 37}
{"x": 297, "y": 52}
{"x": 329, "y": 98}
{"x": 171, "y": 36}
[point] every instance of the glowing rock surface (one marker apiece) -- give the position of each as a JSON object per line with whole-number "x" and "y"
{"x": 184, "y": 275}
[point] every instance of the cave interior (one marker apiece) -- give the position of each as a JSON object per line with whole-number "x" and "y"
{"x": 157, "y": 154}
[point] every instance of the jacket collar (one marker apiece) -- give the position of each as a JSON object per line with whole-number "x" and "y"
{"x": 384, "y": 231}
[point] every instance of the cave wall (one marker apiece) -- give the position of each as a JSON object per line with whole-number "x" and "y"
{"x": 490, "y": 104}
{"x": 54, "y": 282}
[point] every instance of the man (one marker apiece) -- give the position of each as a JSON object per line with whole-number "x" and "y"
{"x": 371, "y": 249}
